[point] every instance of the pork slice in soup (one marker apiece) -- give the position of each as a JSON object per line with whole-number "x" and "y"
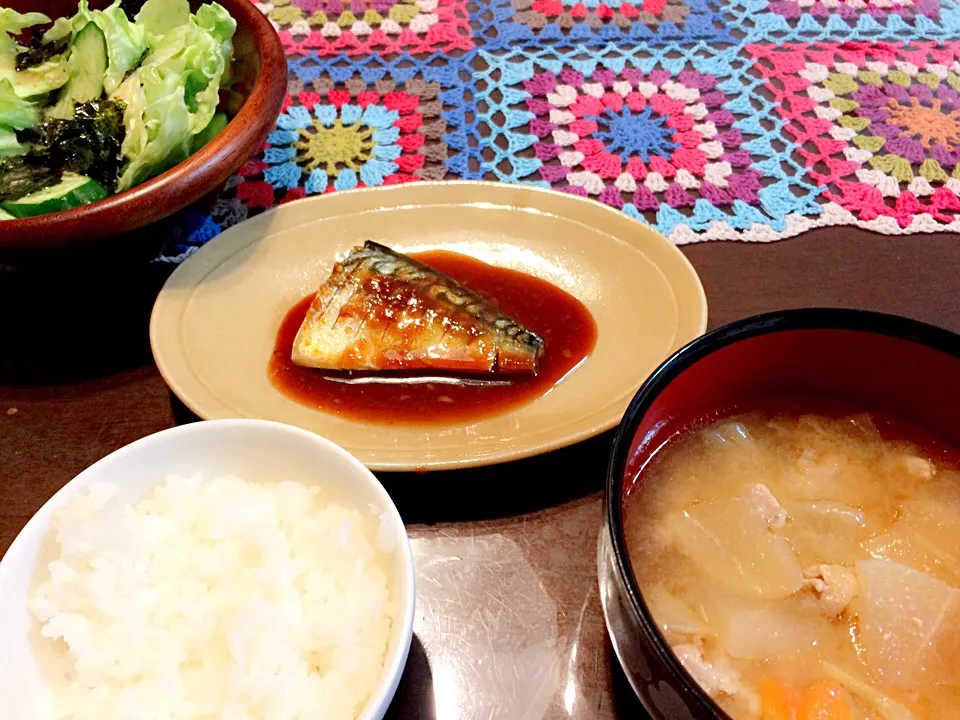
{"x": 806, "y": 566}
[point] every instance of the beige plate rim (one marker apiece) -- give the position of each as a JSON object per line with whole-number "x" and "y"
{"x": 168, "y": 310}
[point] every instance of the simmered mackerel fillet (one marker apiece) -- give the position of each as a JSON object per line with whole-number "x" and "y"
{"x": 380, "y": 310}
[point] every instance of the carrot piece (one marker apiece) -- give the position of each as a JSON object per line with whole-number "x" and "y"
{"x": 777, "y": 701}
{"x": 824, "y": 700}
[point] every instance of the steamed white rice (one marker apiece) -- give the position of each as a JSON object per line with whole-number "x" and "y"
{"x": 222, "y": 599}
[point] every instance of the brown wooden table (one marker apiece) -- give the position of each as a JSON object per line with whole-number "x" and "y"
{"x": 508, "y": 621}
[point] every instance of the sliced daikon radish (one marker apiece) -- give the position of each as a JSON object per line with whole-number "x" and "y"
{"x": 909, "y": 624}
{"x": 673, "y": 615}
{"x": 926, "y": 537}
{"x": 731, "y": 541}
{"x": 826, "y": 532}
{"x": 772, "y": 632}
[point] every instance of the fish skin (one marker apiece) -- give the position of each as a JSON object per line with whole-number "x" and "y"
{"x": 381, "y": 310}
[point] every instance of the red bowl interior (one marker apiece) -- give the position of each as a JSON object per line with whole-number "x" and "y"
{"x": 876, "y": 362}
{"x": 893, "y": 374}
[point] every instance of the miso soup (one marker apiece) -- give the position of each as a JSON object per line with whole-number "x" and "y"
{"x": 806, "y": 566}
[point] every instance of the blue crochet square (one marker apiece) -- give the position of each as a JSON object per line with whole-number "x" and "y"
{"x": 844, "y": 20}
{"x": 591, "y": 23}
{"x": 682, "y": 140}
{"x": 452, "y": 74}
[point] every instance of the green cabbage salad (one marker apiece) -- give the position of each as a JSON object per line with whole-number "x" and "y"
{"x": 106, "y": 99}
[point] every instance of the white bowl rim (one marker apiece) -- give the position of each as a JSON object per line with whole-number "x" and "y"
{"x": 375, "y": 706}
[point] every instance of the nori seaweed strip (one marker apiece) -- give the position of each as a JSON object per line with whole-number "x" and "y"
{"x": 39, "y": 52}
{"x": 89, "y": 144}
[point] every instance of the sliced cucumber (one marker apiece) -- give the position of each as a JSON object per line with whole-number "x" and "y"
{"x": 36, "y": 81}
{"x": 4, "y": 215}
{"x": 88, "y": 66}
{"x": 216, "y": 125}
{"x": 72, "y": 191}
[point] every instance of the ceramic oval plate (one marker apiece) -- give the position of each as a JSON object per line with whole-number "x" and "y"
{"x": 216, "y": 320}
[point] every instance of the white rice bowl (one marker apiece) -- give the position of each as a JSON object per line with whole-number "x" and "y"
{"x": 207, "y": 596}
{"x": 221, "y": 599}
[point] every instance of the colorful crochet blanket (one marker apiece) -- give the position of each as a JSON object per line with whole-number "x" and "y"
{"x": 749, "y": 120}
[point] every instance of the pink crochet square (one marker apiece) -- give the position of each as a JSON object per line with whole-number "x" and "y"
{"x": 640, "y": 138}
{"x": 877, "y": 125}
{"x": 851, "y": 10}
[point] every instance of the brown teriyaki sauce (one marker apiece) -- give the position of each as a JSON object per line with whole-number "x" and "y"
{"x": 566, "y": 326}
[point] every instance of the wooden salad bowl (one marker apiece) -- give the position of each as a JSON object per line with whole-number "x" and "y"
{"x": 254, "y": 102}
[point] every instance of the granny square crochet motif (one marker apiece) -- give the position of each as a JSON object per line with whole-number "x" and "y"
{"x": 356, "y": 27}
{"x": 708, "y": 119}
{"x": 592, "y": 23}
